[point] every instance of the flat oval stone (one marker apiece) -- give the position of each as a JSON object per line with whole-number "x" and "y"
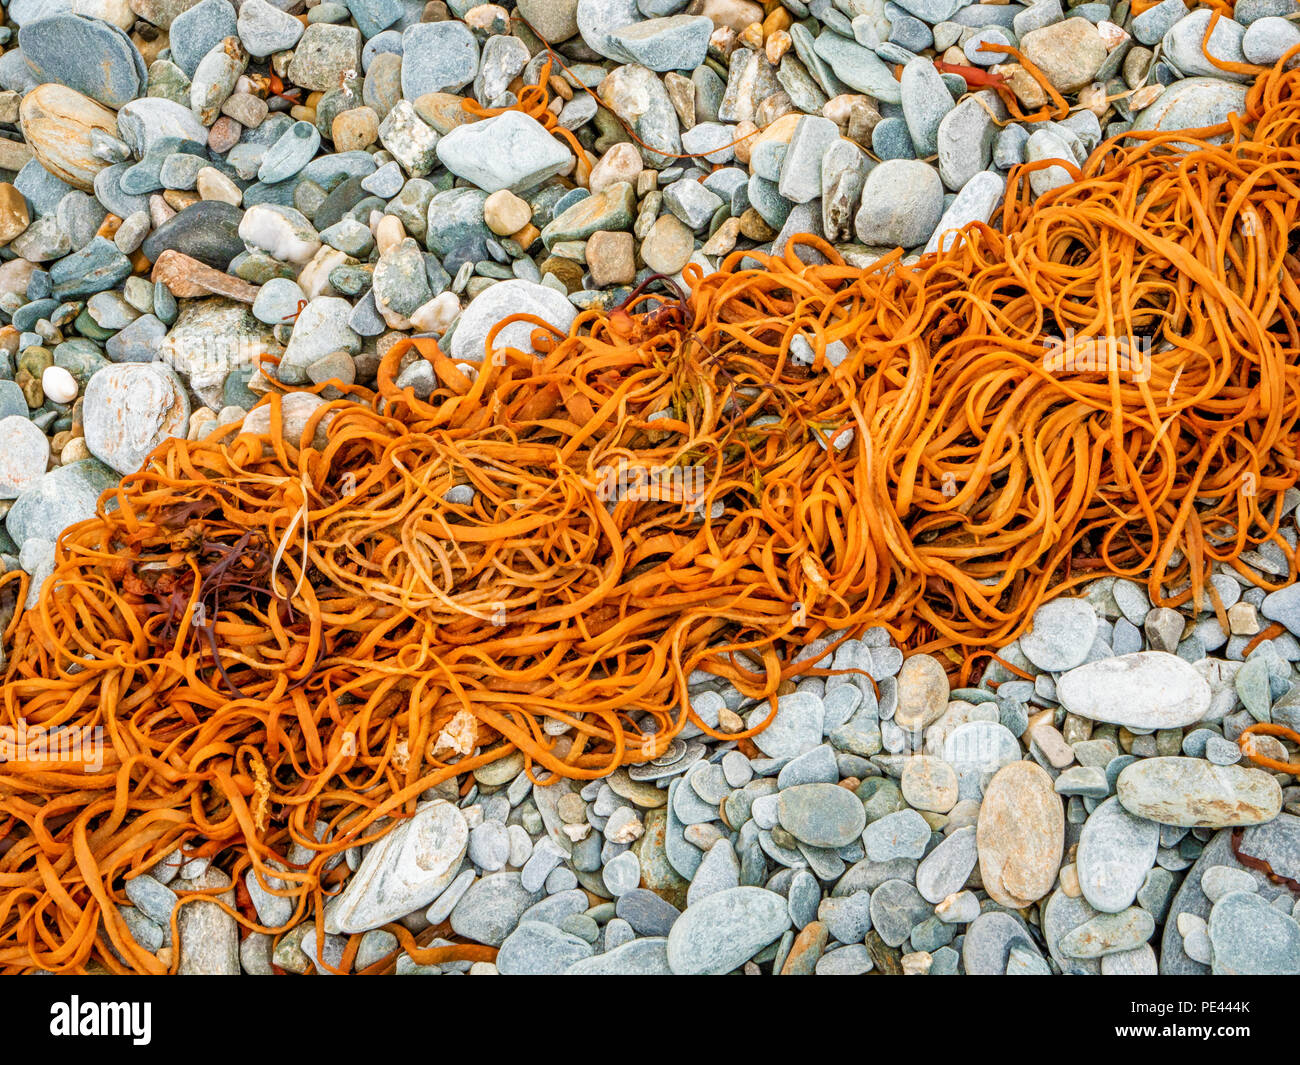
{"x": 1020, "y": 835}
{"x": 65, "y": 129}
{"x": 500, "y": 301}
{"x": 404, "y": 871}
{"x": 821, "y": 815}
{"x": 536, "y": 948}
{"x": 946, "y": 869}
{"x": 637, "y": 957}
{"x": 724, "y": 930}
{"x": 1146, "y": 690}
{"x": 207, "y": 231}
{"x": 131, "y": 408}
{"x": 56, "y": 49}
{"x": 794, "y": 730}
{"x": 1109, "y": 933}
{"x": 1060, "y": 915}
{"x": 294, "y": 150}
{"x": 1252, "y": 938}
{"x": 490, "y": 909}
{"x": 1116, "y": 849}
{"x": 1062, "y": 635}
{"x": 922, "y": 692}
{"x": 1194, "y": 793}
{"x": 990, "y": 938}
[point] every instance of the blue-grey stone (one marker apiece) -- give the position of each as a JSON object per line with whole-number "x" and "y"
{"x": 1116, "y": 849}
{"x": 1252, "y": 938}
{"x": 96, "y": 267}
{"x": 679, "y": 42}
{"x": 990, "y": 938}
{"x": 538, "y": 949}
{"x": 726, "y": 929}
{"x": 137, "y": 342}
{"x": 58, "y": 48}
{"x": 897, "y": 907}
{"x": 636, "y": 957}
{"x": 847, "y": 917}
{"x": 646, "y": 912}
{"x": 858, "y": 67}
{"x": 491, "y": 908}
{"x": 62, "y": 497}
{"x": 373, "y": 16}
{"x": 288, "y": 155}
{"x": 437, "y": 57}
{"x": 891, "y": 139}
{"x": 197, "y": 30}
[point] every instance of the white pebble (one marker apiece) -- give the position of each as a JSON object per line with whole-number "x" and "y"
{"x": 59, "y": 385}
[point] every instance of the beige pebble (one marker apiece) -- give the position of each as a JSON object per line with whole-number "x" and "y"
{"x": 212, "y": 184}
{"x": 355, "y": 129}
{"x": 74, "y": 450}
{"x": 1243, "y": 619}
{"x": 621, "y": 163}
{"x": 437, "y": 315}
{"x": 389, "y": 233}
{"x": 1052, "y": 744}
{"x": 506, "y": 213}
{"x": 1020, "y": 835}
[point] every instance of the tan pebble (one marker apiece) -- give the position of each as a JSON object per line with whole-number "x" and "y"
{"x": 744, "y": 134}
{"x": 1070, "y": 881}
{"x": 389, "y": 233}
{"x": 212, "y": 184}
{"x": 621, "y": 163}
{"x": 355, "y": 129}
{"x": 179, "y": 199}
{"x": 60, "y": 126}
{"x": 776, "y": 46}
{"x": 730, "y": 721}
{"x": 724, "y": 240}
{"x": 922, "y": 692}
{"x": 668, "y": 245}
{"x": 1052, "y": 744}
{"x": 611, "y": 258}
{"x": 74, "y": 450}
{"x": 506, "y": 213}
{"x": 14, "y": 216}
{"x": 1020, "y": 835}
{"x": 1145, "y": 97}
{"x": 917, "y": 963}
{"x": 1243, "y": 619}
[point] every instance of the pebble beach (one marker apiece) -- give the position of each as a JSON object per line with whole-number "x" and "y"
{"x": 224, "y": 217}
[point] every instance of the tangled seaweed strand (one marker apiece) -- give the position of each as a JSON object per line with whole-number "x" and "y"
{"x": 291, "y": 641}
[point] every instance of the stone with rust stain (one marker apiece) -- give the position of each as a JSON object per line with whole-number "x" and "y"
{"x": 657, "y": 873}
{"x": 808, "y": 946}
{"x": 14, "y": 216}
{"x": 1194, "y": 793}
{"x": 1020, "y": 835}
{"x": 131, "y": 408}
{"x": 63, "y": 129}
{"x": 187, "y": 278}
